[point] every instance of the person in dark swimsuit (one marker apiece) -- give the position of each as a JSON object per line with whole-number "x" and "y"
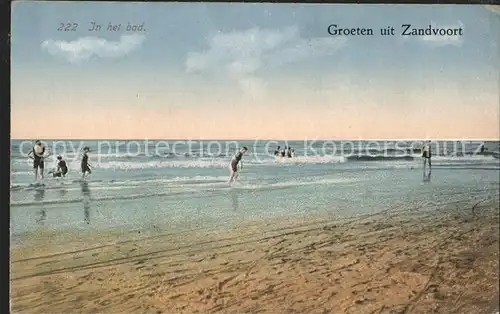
{"x": 85, "y": 162}
{"x": 62, "y": 168}
{"x": 283, "y": 152}
{"x": 426, "y": 153}
{"x": 234, "y": 164}
{"x": 38, "y": 156}
{"x": 277, "y": 151}
{"x": 289, "y": 152}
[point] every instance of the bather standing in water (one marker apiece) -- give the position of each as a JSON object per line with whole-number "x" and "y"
{"x": 38, "y": 156}
{"x": 283, "y": 152}
{"x": 234, "y": 164}
{"x": 426, "y": 154}
{"x": 277, "y": 151}
{"x": 85, "y": 162}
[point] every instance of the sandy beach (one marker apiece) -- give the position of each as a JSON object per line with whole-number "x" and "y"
{"x": 440, "y": 259}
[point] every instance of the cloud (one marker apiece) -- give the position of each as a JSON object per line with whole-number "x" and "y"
{"x": 241, "y": 54}
{"x": 438, "y": 40}
{"x": 85, "y": 48}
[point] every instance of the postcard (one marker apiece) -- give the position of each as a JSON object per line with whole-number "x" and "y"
{"x": 254, "y": 158}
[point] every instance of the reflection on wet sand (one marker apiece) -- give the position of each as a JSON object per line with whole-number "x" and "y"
{"x": 63, "y": 192}
{"x": 86, "y": 201}
{"x": 427, "y": 177}
{"x": 235, "y": 199}
{"x": 39, "y": 197}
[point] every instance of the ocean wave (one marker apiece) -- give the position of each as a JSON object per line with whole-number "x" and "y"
{"x": 412, "y": 157}
{"x": 256, "y": 159}
{"x": 217, "y": 163}
{"x": 294, "y": 183}
{"x": 327, "y": 159}
{"x": 21, "y": 173}
{"x": 467, "y": 158}
{"x": 172, "y": 180}
{"x": 379, "y": 158}
{"x": 163, "y": 164}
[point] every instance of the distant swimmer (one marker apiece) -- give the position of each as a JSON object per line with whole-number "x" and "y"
{"x": 289, "y": 152}
{"x": 38, "y": 156}
{"x": 293, "y": 153}
{"x": 85, "y": 162}
{"x": 283, "y": 152}
{"x": 234, "y": 164}
{"x": 61, "y": 168}
{"x": 277, "y": 151}
{"x": 426, "y": 153}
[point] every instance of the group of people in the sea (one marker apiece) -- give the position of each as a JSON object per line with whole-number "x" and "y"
{"x": 39, "y": 154}
{"x": 285, "y": 152}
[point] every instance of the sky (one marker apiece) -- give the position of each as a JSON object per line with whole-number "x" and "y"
{"x": 252, "y": 71}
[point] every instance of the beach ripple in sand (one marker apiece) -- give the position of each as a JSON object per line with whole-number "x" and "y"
{"x": 411, "y": 261}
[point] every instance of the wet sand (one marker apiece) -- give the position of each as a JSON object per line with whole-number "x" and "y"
{"x": 441, "y": 260}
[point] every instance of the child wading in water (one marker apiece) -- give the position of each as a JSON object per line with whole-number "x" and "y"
{"x": 61, "y": 168}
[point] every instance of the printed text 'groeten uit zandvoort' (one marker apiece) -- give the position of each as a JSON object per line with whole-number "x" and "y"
{"x": 405, "y": 30}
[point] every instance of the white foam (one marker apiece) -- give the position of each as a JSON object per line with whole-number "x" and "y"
{"x": 295, "y": 183}
{"x": 464, "y": 158}
{"x": 211, "y": 163}
{"x": 163, "y": 164}
{"x": 127, "y": 162}
{"x": 172, "y": 180}
{"x": 311, "y": 159}
{"x": 20, "y": 173}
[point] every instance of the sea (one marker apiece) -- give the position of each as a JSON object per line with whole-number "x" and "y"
{"x": 183, "y": 184}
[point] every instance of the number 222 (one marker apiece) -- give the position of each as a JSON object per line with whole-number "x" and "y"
{"x": 66, "y": 27}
